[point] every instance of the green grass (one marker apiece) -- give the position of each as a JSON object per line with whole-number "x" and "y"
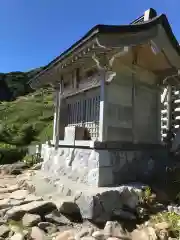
{"x": 35, "y": 109}
{"x": 172, "y": 219}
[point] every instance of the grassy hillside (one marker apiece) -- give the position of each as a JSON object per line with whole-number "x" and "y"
{"x": 30, "y": 115}
{"x": 15, "y": 84}
{"x": 26, "y": 116}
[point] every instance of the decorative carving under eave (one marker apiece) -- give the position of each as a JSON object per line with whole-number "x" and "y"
{"x": 84, "y": 85}
{"x": 104, "y": 62}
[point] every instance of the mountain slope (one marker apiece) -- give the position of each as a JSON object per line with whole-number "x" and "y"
{"x": 34, "y": 109}
{"x": 15, "y": 84}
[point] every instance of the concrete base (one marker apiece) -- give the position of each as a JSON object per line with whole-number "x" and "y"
{"x": 102, "y": 168}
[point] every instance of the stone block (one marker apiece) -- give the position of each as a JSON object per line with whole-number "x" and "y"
{"x": 93, "y": 177}
{"x": 106, "y": 177}
{"x": 104, "y": 158}
{"x": 69, "y": 136}
{"x": 73, "y": 133}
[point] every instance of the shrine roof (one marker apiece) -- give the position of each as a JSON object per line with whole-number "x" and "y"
{"x": 120, "y": 30}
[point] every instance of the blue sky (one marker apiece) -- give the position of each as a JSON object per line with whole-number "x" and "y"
{"x": 33, "y": 32}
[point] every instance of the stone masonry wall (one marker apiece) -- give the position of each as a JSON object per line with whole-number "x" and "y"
{"x": 102, "y": 167}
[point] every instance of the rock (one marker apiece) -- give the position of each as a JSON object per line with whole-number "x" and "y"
{"x": 36, "y": 207}
{"x": 87, "y": 238}
{"x": 12, "y": 188}
{"x": 15, "y": 202}
{"x": 98, "y": 235}
{"x": 162, "y": 225}
{"x": 163, "y": 234}
{"x": 108, "y": 229}
{"x": 7, "y": 203}
{"x": 2, "y": 221}
{"x": 30, "y": 220}
{"x": 96, "y": 203}
{"x": 12, "y": 168}
{"x": 44, "y": 225}
{"x": 11, "y": 233}
{"x": 54, "y": 235}
{"x": 48, "y": 227}
{"x": 3, "y": 212}
{"x": 124, "y": 214}
{"x": 114, "y": 229}
{"x": 19, "y": 194}
{"x": 37, "y": 234}
{"x": 65, "y": 235}
{"x": 26, "y": 234}
{"x": 144, "y": 234}
{"x": 4, "y": 203}
{"x": 4, "y": 195}
{"x": 3, "y": 190}
{"x": 68, "y": 207}
{"x": 17, "y": 236}
{"x": 32, "y": 198}
{"x": 84, "y": 232}
{"x": 4, "y": 231}
{"x": 113, "y": 238}
{"x": 56, "y": 217}
{"x": 16, "y": 171}
{"x": 101, "y": 219}
{"x": 37, "y": 166}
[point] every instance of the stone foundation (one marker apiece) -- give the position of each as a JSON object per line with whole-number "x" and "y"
{"x": 105, "y": 167}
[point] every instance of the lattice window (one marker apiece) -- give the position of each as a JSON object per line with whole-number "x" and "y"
{"x": 85, "y": 112}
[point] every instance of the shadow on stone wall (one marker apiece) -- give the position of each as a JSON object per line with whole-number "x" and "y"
{"x": 156, "y": 168}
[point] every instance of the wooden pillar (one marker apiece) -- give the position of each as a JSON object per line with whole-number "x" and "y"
{"x": 56, "y": 128}
{"x": 103, "y": 107}
{"x": 169, "y": 115}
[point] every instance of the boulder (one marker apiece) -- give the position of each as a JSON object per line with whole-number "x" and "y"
{"x": 9, "y": 189}
{"x": 4, "y": 231}
{"x": 37, "y": 166}
{"x": 144, "y": 234}
{"x": 48, "y": 227}
{"x": 84, "y": 232}
{"x": 114, "y": 229}
{"x": 7, "y": 203}
{"x": 113, "y": 238}
{"x": 14, "y": 168}
{"x": 67, "y": 206}
{"x": 122, "y": 214}
{"x": 87, "y": 238}
{"x": 66, "y": 235}
{"x": 36, "y": 207}
{"x": 17, "y": 236}
{"x": 32, "y": 198}
{"x": 19, "y": 194}
{"x": 103, "y": 202}
{"x": 30, "y": 220}
{"x": 58, "y": 218}
{"x": 4, "y": 203}
{"x": 99, "y": 235}
{"x": 37, "y": 234}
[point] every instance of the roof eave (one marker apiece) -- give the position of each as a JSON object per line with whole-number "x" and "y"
{"x": 160, "y": 21}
